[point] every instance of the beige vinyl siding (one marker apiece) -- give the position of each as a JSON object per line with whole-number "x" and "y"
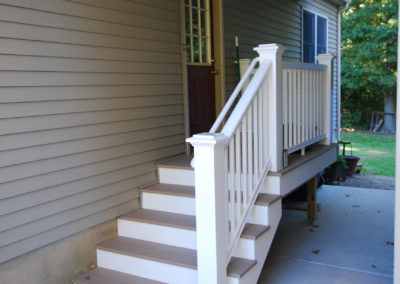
{"x": 257, "y": 22}
{"x": 90, "y": 98}
{"x": 328, "y": 10}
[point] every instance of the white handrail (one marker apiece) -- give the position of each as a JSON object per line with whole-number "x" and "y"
{"x": 231, "y": 166}
{"x": 234, "y": 95}
{"x": 231, "y": 100}
{"x": 247, "y": 152}
{"x": 247, "y": 98}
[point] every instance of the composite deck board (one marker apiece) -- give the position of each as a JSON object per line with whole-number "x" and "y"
{"x": 187, "y": 222}
{"x": 169, "y": 254}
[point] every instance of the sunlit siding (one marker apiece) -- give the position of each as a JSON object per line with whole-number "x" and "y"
{"x": 90, "y": 98}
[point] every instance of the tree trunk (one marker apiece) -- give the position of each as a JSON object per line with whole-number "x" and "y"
{"x": 389, "y": 124}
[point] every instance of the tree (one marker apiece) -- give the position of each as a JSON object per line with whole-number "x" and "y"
{"x": 369, "y": 59}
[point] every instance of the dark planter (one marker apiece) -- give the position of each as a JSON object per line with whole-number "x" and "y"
{"x": 331, "y": 172}
{"x": 351, "y": 164}
{"x": 335, "y": 172}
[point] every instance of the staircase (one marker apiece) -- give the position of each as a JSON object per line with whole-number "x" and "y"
{"x": 157, "y": 243}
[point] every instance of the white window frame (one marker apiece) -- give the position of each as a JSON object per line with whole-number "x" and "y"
{"x": 316, "y": 32}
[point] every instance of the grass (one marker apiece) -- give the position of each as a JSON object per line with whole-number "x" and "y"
{"x": 377, "y": 152}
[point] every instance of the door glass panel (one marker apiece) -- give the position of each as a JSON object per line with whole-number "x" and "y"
{"x": 197, "y": 30}
{"x": 196, "y": 49}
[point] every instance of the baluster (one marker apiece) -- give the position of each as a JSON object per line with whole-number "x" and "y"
{"x": 294, "y": 106}
{"x": 290, "y": 109}
{"x": 244, "y": 158}
{"x": 313, "y": 104}
{"x": 238, "y": 174}
{"x": 232, "y": 188}
{"x": 265, "y": 123}
{"x": 250, "y": 148}
{"x": 255, "y": 117}
{"x": 307, "y": 103}
{"x": 321, "y": 107}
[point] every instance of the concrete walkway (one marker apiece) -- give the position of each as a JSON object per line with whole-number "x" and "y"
{"x": 350, "y": 242}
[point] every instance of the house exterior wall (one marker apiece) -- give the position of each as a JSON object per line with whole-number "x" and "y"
{"x": 90, "y": 98}
{"x": 256, "y": 22}
{"x": 270, "y": 21}
{"x": 330, "y": 11}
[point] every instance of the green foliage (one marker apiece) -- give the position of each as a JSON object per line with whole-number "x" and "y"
{"x": 369, "y": 58}
{"x": 377, "y": 152}
{"x": 341, "y": 160}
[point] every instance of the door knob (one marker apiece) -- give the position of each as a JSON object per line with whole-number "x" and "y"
{"x": 214, "y": 72}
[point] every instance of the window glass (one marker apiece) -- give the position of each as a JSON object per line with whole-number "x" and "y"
{"x": 321, "y": 35}
{"x": 308, "y": 36}
{"x": 197, "y": 19}
{"x": 314, "y": 36}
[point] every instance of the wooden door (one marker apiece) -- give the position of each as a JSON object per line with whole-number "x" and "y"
{"x": 200, "y": 66}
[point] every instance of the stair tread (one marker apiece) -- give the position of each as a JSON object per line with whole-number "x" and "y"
{"x": 170, "y": 189}
{"x": 189, "y": 191}
{"x": 162, "y": 218}
{"x": 169, "y": 254}
{"x": 266, "y": 198}
{"x": 253, "y": 231}
{"x": 181, "y": 162}
{"x": 188, "y": 222}
{"x": 107, "y": 276}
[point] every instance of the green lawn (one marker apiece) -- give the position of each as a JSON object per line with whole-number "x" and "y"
{"x": 377, "y": 152}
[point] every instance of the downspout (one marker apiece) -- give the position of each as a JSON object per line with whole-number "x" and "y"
{"x": 339, "y": 66}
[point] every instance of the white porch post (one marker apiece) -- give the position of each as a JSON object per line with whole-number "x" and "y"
{"x": 211, "y": 206}
{"x": 326, "y": 59}
{"x": 273, "y": 53}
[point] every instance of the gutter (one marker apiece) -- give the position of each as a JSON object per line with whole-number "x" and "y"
{"x": 339, "y": 65}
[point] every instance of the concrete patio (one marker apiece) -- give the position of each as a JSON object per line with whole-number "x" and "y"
{"x": 351, "y": 240}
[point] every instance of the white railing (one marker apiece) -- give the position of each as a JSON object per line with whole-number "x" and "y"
{"x": 231, "y": 166}
{"x": 306, "y": 103}
{"x": 303, "y": 101}
{"x": 247, "y": 154}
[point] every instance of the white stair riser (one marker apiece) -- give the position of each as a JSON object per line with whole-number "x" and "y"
{"x": 169, "y": 203}
{"x": 157, "y": 233}
{"x": 175, "y": 236}
{"x": 275, "y": 213}
{"x": 146, "y": 268}
{"x": 150, "y": 269}
{"x": 176, "y": 176}
{"x": 259, "y": 215}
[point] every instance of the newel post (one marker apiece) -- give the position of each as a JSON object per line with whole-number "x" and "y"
{"x": 273, "y": 53}
{"x": 211, "y": 206}
{"x": 326, "y": 59}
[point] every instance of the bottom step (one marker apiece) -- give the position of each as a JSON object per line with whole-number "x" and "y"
{"x": 144, "y": 258}
{"x": 106, "y": 276}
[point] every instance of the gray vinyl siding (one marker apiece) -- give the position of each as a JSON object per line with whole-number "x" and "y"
{"x": 256, "y": 22}
{"x": 270, "y": 21}
{"x": 90, "y": 98}
{"x": 328, "y": 10}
